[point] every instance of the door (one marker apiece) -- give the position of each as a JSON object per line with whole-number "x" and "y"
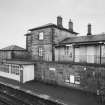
{"x": 90, "y": 54}
{"x": 77, "y": 55}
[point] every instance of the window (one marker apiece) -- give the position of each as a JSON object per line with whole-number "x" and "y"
{"x": 40, "y": 52}
{"x": 72, "y": 79}
{"x": 103, "y": 50}
{"x": 4, "y": 68}
{"x": 41, "y": 36}
{"x": 77, "y": 79}
{"x": 15, "y": 69}
{"x": 68, "y": 51}
{"x": 67, "y": 78}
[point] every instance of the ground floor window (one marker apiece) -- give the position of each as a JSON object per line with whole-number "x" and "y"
{"x": 15, "y": 69}
{"x": 40, "y": 52}
{"x": 67, "y": 78}
{"x": 73, "y": 79}
{"x": 8, "y": 68}
{"x": 4, "y": 68}
{"x": 77, "y": 79}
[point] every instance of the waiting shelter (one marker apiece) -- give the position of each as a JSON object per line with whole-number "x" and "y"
{"x": 21, "y": 71}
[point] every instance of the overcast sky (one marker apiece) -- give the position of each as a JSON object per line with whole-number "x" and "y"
{"x": 17, "y": 16}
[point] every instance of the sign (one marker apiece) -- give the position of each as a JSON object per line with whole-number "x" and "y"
{"x": 72, "y": 79}
{"x": 52, "y": 69}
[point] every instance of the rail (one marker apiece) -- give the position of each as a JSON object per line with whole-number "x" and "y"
{"x": 23, "y": 98}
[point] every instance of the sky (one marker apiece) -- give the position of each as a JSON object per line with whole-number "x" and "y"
{"x": 17, "y": 16}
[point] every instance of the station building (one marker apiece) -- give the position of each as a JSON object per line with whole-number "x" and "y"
{"x": 21, "y": 71}
{"x": 59, "y": 56}
{"x": 17, "y": 70}
{"x": 41, "y": 41}
{"x": 68, "y": 59}
{"x": 55, "y": 43}
{"x": 13, "y": 52}
{"x": 82, "y": 49}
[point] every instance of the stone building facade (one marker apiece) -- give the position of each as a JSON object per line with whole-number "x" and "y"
{"x": 82, "y": 49}
{"x": 86, "y": 77}
{"x": 13, "y": 52}
{"x": 41, "y": 41}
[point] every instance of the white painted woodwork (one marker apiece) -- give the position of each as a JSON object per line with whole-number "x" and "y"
{"x": 10, "y": 76}
{"x": 90, "y": 54}
{"x": 72, "y": 79}
{"x": 77, "y": 54}
{"x": 28, "y": 73}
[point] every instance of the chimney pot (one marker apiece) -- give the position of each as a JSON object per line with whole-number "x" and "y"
{"x": 59, "y": 22}
{"x": 70, "y": 26}
{"x": 89, "y": 29}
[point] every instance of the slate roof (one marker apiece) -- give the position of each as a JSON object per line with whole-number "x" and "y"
{"x": 20, "y": 62}
{"x": 84, "y": 39}
{"x": 13, "y": 48}
{"x": 49, "y": 25}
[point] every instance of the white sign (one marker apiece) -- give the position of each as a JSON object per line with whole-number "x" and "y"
{"x": 71, "y": 78}
{"x": 52, "y": 69}
{"x": 70, "y": 45}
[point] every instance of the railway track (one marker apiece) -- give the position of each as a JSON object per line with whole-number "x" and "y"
{"x": 11, "y": 96}
{"x": 10, "y": 99}
{"x": 3, "y": 102}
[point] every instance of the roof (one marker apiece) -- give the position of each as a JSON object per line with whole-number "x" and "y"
{"x": 50, "y": 25}
{"x": 13, "y": 48}
{"x": 84, "y": 39}
{"x": 19, "y": 62}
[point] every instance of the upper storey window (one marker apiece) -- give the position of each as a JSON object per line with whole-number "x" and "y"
{"x": 41, "y": 36}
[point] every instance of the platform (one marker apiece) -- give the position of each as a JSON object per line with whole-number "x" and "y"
{"x": 67, "y": 96}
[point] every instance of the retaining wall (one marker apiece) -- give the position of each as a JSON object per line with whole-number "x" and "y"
{"x": 84, "y": 77}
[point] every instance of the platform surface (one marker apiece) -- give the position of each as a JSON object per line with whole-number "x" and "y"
{"x": 69, "y": 96}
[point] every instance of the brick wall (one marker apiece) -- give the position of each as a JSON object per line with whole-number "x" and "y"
{"x": 90, "y": 77}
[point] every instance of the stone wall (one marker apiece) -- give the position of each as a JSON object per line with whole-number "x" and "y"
{"x": 5, "y": 55}
{"x": 51, "y": 36}
{"x": 33, "y": 44}
{"x": 60, "y": 35}
{"x": 20, "y": 55}
{"x": 14, "y": 55}
{"x": 84, "y": 77}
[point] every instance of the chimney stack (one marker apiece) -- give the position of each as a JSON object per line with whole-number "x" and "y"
{"x": 59, "y": 22}
{"x": 89, "y": 29}
{"x": 70, "y": 26}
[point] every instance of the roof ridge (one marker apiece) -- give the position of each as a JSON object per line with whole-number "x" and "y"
{"x": 49, "y": 25}
{"x": 12, "y": 47}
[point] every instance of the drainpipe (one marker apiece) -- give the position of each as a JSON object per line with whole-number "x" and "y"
{"x": 53, "y": 51}
{"x": 73, "y": 53}
{"x": 100, "y": 43}
{"x": 100, "y": 53}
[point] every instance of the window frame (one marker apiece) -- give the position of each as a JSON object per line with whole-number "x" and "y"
{"x": 68, "y": 50}
{"x": 15, "y": 69}
{"x": 40, "y": 51}
{"x": 41, "y": 36}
